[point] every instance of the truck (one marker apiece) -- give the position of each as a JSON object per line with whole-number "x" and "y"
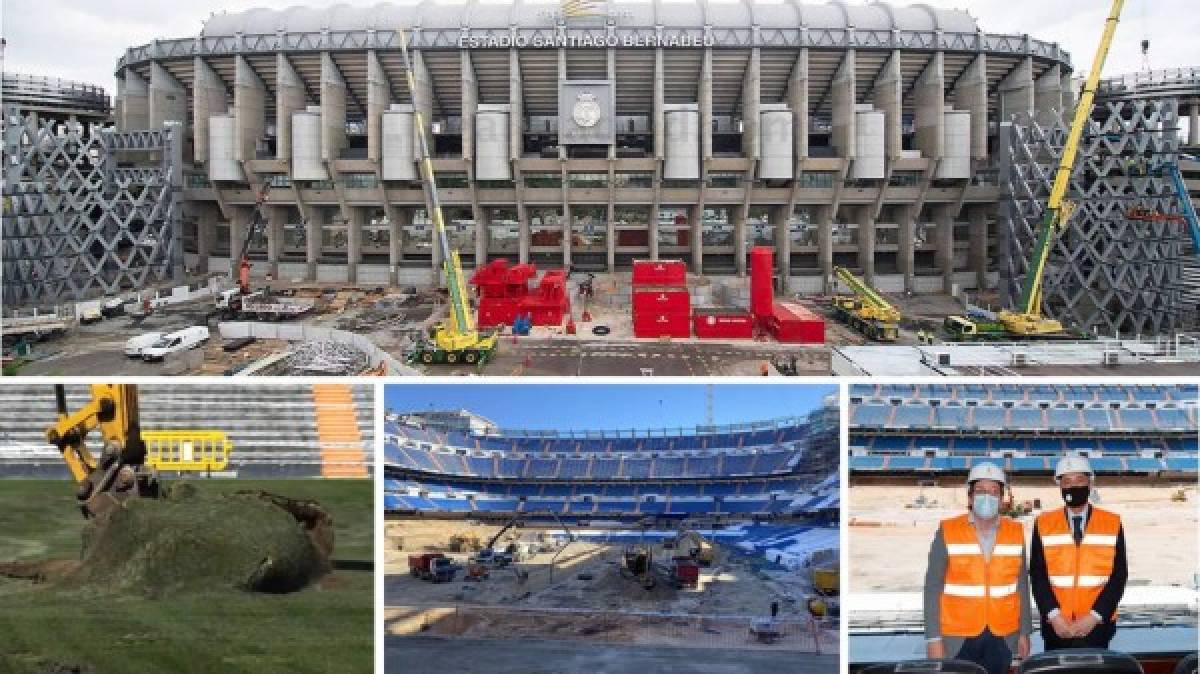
{"x": 432, "y": 566}
{"x": 262, "y": 305}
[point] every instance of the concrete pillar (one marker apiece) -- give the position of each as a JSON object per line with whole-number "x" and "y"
{"x": 695, "y": 237}
{"x": 751, "y": 109}
{"x": 379, "y": 97}
{"x": 945, "y": 245}
{"x": 333, "y": 109}
{"x": 825, "y": 243}
{"x": 1047, "y": 95}
{"x": 209, "y": 98}
{"x": 887, "y": 97}
{"x": 290, "y": 97}
{"x": 1068, "y": 94}
{"x": 276, "y": 221}
{"x": 206, "y": 230}
{"x": 1016, "y": 91}
{"x": 354, "y": 227}
{"x": 798, "y": 102}
{"x": 135, "y": 102}
{"x": 249, "y": 110}
{"x": 781, "y": 218}
{"x": 706, "y": 111}
{"x": 516, "y": 107}
{"x": 482, "y": 220}
{"x": 470, "y": 104}
{"x": 660, "y": 121}
{"x": 970, "y": 94}
{"x": 929, "y": 94}
{"x": 168, "y": 98}
{"x": 905, "y": 253}
{"x": 978, "y": 251}
{"x": 866, "y": 242}
{"x": 239, "y": 220}
{"x": 397, "y": 219}
{"x": 423, "y": 105}
{"x": 1194, "y": 124}
{"x": 312, "y": 241}
{"x": 843, "y": 100}
{"x": 739, "y": 240}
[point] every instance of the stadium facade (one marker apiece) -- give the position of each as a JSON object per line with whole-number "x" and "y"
{"x": 840, "y": 134}
{"x": 932, "y": 429}
{"x": 54, "y": 99}
{"x": 769, "y": 470}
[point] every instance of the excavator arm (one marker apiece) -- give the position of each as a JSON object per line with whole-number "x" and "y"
{"x": 120, "y": 471}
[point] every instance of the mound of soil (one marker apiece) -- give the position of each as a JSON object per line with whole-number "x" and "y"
{"x": 191, "y": 540}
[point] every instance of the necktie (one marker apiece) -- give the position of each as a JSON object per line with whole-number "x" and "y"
{"x": 1078, "y": 520}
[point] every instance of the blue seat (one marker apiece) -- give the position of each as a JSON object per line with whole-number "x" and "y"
{"x": 1028, "y": 463}
{"x": 1107, "y": 464}
{"x": 1188, "y": 464}
{"x": 1144, "y": 465}
{"x": 866, "y": 463}
{"x": 906, "y": 463}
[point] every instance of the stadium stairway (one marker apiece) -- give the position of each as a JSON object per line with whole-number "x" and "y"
{"x": 337, "y": 429}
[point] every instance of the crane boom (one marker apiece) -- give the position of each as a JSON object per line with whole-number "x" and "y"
{"x": 1058, "y": 209}
{"x": 867, "y": 293}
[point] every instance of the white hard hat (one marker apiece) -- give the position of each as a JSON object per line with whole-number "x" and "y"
{"x": 986, "y": 471}
{"x": 1073, "y": 464}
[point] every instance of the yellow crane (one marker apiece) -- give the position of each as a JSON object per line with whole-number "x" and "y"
{"x": 866, "y": 311}
{"x": 457, "y": 340}
{"x": 1026, "y": 321}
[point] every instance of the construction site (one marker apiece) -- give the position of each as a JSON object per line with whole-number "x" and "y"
{"x": 182, "y": 529}
{"x": 909, "y": 463}
{"x": 516, "y": 191}
{"x": 496, "y": 545}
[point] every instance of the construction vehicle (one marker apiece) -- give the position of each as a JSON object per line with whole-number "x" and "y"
{"x": 866, "y": 311}
{"x": 692, "y": 545}
{"x": 464, "y": 543}
{"x": 477, "y": 572}
{"x": 685, "y": 572}
{"x": 1026, "y": 321}
{"x": 457, "y": 340}
{"x": 639, "y": 565}
{"x": 432, "y": 566}
{"x": 825, "y": 580}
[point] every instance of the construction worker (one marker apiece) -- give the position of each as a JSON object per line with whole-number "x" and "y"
{"x": 1077, "y": 564}
{"x": 976, "y": 586}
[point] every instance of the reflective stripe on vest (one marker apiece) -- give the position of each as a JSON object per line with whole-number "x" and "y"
{"x": 1078, "y": 572}
{"x": 981, "y": 593}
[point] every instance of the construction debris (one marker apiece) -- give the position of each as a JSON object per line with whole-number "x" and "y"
{"x": 328, "y": 358}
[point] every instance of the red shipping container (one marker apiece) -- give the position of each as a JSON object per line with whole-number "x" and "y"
{"x": 661, "y": 299}
{"x": 793, "y": 324}
{"x": 723, "y": 324}
{"x": 662, "y": 324}
{"x": 659, "y": 273}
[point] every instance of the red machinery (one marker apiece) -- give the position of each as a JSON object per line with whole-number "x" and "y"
{"x": 786, "y": 321}
{"x": 504, "y": 294}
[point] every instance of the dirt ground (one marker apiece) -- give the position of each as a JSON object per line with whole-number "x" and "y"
{"x": 889, "y": 537}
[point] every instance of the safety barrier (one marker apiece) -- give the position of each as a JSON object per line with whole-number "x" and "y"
{"x": 187, "y": 450}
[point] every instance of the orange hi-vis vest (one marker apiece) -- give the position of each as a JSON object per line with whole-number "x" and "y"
{"x": 1078, "y": 573}
{"x": 981, "y": 592}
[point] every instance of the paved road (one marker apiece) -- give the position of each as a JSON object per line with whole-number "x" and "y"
{"x": 429, "y": 655}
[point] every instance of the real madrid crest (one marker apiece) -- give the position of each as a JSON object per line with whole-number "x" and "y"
{"x": 587, "y": 111}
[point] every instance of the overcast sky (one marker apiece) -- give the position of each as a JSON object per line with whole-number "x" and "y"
{"x": 82, "y": 39}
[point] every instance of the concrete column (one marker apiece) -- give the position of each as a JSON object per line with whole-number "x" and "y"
{"x": 978, "y": 252}
{"x": 905, "y": 253}
{"x": 206, "y": 230}
{"x": 798, "y": 102}
{"x": 842, "y": 93}
{"x": 238, "y": 221}
{"x": 1047, "y": 95}
{"x": 751, "y": 108}
{"x": 945, "y": 245}
{"x": 706, "y": 111}
{"x": 516, "y": 107}
{"x": 209, "y": 98}
{"x": 354, "y": 225}
{"x": 249, "y": 109}
{"x": 470, "y": 104}
{"x": 168, "y": 98}
{"x": 333, "y": 109}
{"x": 866, "y": 242}
{"x": 970, "y": 94}
{"x": 312, "y": 241}
{"x": 929, "y": 94}
{"x": 660, "y": 130}
{"x": 825, "y": 243}
{"x": 423, "y": 102}
{"x": 482, "y": 220}
{"x": 135, "y": 102}
{"x": 379, "y": 97}
{"x": 1068, "y": 94}
{"x": 739, "y": 240}
{"x": 397, "y": 219}
{"x": 290, "y": 97}
{"x": 781, "y": 218}
{"x": 276, "y": 220}
{"x": 1016, "y": 91}
{"x": 1194, "y": 124}
{"x": 887, "y": 97}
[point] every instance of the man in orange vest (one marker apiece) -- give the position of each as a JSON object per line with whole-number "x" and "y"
{"x": 976, "y": 586}
{"x": 1077, "y": 564}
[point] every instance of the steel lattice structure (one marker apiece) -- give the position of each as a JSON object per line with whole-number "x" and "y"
{"x": 78, "y": 220}
{"x": 1108, "y": 272}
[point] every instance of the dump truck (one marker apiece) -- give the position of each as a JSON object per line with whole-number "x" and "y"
{"x": 432, "y": 566}
{"x": 685, "y": 572}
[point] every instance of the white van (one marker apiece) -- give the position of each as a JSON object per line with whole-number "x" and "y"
{"x": 188, "y": 338}
{"x": 135, "y": 345}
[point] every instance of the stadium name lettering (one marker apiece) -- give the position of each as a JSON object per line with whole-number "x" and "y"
{"x": 555, "y": 41}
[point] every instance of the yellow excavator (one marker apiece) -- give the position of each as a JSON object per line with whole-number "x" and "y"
{"x": 1026, "y": 320}
{"x": 457, "y": 340}
{"x": 691, "y": 543}
{"x": 866, "y": 310}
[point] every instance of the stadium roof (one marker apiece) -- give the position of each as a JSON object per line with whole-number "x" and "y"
{"x": 428, "y": 14}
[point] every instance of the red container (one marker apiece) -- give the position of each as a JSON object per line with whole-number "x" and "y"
{"x": 686, "y": 572}
{"x": 662, "y": 324}
{"x": 723, "y": 324}
{"x": 762, "y": 291}
{"x": 793, "y": 324}
{"x": 661, "y": 299}
{"x": 659, "y": 273}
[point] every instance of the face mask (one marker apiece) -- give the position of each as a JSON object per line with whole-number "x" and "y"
{"x": 985, "y": 506}
{"x": 1076, "y": 496}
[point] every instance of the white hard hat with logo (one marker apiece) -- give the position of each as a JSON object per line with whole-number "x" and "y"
{"x": 1073, "y": 464}
{"x": 986, "y": 471}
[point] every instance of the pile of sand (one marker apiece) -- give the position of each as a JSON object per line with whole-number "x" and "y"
{"x": 191, "y": 540}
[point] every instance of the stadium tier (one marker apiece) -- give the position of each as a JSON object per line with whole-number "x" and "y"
{"x": 945, "y": 428}
{"x": 275, "y": 431}
{"x": 774, "y": 468}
